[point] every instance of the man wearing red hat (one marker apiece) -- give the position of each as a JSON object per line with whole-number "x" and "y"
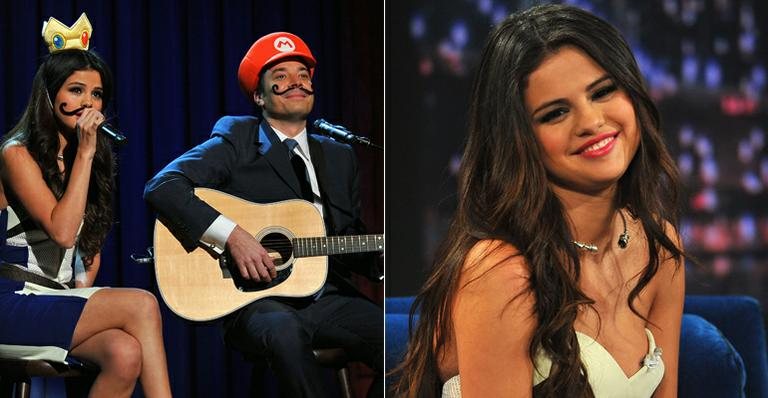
{"x": 266, "y": 160}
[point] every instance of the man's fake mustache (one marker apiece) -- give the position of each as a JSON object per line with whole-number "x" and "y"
{"x": 291, "y": 87}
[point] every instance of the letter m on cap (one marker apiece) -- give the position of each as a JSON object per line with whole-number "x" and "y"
{"x": 284, "y": 44}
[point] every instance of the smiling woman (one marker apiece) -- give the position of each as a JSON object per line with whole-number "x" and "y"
{"x": 562, "y": 265}
{"x": 586, "y": 124}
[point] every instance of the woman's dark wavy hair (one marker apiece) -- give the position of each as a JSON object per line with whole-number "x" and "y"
{"x": 504, "y": 195}
{"x": 38, "y": 131}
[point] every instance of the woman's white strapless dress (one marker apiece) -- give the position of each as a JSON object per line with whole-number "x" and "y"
{"x": 606, "y": 377}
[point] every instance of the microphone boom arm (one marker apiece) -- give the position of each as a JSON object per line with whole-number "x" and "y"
{"x": 340, "y": 133}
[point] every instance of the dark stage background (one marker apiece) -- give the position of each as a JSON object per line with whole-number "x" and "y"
{"x": 175, "y": 67}
{"x": 705, "y": 64}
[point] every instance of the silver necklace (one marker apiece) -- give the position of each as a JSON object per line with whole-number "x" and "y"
{"x": 623, "y": 239}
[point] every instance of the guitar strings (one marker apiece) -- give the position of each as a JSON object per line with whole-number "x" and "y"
{"x": 291, "y": 247}
{"x": 348, "y": 240}
{"x": 278, "y": 246}
{"x": 290, "y": 244}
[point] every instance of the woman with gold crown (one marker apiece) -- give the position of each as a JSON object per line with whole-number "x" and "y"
{"x": 56, "y": 174}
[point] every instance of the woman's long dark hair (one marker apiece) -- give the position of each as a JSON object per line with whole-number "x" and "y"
{"x": 504, "y": 195}
{"x": 38, "y": 131}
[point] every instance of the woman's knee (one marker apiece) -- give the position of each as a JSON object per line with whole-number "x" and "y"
{"x": 122, "y": 356}
{"x": 149, "y": 304}
{"x": 143, "y": 306}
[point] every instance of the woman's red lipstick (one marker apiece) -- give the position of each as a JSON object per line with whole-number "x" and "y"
{"x": 598, "y": 146}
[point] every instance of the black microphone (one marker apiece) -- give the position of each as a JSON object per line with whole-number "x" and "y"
{"x": 341, "y": 134}
{"x": 111, "y": 132}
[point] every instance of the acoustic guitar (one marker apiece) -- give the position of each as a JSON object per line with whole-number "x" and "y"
{"x": 201, "y": 287}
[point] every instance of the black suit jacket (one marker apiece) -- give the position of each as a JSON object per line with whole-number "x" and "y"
{"x": 245, "y": 158}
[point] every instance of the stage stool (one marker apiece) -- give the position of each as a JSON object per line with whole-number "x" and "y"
{"x": 330, "y": 358}
{"x": 16, "y": 374}
{"x": 336, "y": 358}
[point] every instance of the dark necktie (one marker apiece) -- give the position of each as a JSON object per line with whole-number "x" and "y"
{"x": 300, "y": 169}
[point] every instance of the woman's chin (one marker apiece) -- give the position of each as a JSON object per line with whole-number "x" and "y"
{"x": 66, "y": 128}
{"x": 594, "y": 183}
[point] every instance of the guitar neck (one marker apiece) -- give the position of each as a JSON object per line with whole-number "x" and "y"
{"x": 330, "y": 245}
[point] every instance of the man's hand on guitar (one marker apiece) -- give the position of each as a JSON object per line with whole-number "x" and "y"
{"x": 203, "y": 292}
{"x": 251, "y": 258}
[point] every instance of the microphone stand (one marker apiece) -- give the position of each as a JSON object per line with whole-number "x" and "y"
{"x": 340, "y": 133}
{"x": 356, "y": 139}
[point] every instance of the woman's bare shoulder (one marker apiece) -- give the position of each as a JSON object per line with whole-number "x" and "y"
{"x": 493, "y": 321}
{"x": 494, "y": 259}
{"x": 13, "y": 150}
{"x": 495, "y": 274}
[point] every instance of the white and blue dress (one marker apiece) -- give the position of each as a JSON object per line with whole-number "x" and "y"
{"x": 37, "y": 322}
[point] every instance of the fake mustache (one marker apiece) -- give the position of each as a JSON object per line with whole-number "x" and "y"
{"x": 291, "y": 87}
{"x": 69, "y": 113}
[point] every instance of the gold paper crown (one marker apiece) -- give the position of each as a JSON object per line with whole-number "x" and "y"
{"x": 61, "y": 37}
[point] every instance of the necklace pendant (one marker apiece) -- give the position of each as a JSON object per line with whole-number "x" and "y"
{"x": 624, "y": 240}
{"x": 585, "y": 246}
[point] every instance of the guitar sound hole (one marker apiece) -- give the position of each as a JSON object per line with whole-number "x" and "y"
{"x": 280, "y": 249}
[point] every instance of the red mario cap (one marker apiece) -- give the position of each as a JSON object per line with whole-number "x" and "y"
{"x": 268, "y": 50}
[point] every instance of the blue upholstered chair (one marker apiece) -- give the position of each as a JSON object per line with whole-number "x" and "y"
{"x": 722, "y": 345}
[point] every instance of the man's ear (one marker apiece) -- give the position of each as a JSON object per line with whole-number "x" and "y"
{"x": 258, "y": 98}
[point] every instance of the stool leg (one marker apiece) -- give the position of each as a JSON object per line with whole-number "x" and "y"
{"x": 346, "y": 386}
{"x": 23, "y": 388}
